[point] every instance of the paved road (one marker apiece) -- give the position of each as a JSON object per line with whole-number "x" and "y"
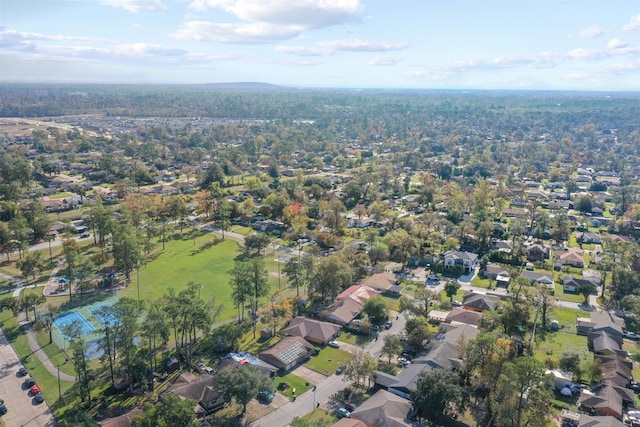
{"x": 304, "y": 404}
{"x": 22, "y": 410}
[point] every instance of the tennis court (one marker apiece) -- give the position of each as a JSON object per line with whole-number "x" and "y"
{"x": 73, "y": 316}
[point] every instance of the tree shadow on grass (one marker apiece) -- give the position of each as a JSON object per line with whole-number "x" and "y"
{"x": 205, "y": 246}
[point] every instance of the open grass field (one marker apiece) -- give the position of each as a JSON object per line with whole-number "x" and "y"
{"x": 327, "y": 361}
{"x": 556, "y": 343}
{"x": 199, "y": 260}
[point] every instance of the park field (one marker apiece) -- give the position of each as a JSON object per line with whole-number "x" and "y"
{"x": 202, "y": 260}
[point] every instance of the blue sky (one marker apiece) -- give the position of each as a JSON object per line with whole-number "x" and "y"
{"x": 448, "y": 44}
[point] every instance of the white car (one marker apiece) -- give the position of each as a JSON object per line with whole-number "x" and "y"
{"x": 333, "y": 344}
{"x": 404, "y": 361}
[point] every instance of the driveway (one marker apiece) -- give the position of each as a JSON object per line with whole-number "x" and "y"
{"x": 308, "y": 374}
{"x": 21, "y": 408}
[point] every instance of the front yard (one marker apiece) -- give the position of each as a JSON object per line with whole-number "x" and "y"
{"x": 327, "y": 360}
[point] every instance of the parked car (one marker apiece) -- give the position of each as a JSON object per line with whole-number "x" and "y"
{"x": 404, "y": 361}
{"x": 29, "y": 382}
{"x": 388, "y": 324}
{"x": 266, "y": 396}
{"x": 456, "y": 303}
{"x": 350, "y": 406}
{"x": 85, "y": 235}
{"x": 3, "y": 408}
{"x": 343, "y": 413}
{"x": 35, "y": 390}
{"x": 339, "y": 370}
{"x": 333, "y": 344}
{"x": 39, "y": 398}
{"x": 631, "y": 336}
{"x": 22, "y": 372}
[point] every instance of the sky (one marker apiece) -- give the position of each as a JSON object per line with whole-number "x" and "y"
{"x": 430, "y": 44}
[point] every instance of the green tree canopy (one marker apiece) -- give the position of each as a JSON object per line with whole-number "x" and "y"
{"x": 171, "y": 411}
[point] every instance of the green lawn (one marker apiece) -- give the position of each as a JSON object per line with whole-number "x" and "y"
{"x": 556, "y": 343}
{"x": 559, "y": 293}
{"x": 479, "y": 281}
{"x": 299, "y": 384}
{"x": 60, "y": 195}
{"x": 199, "y": 260}
{"x": 355, "y": 339}
{"x": 318, "y": 418}
{"x": 327, "y": 361}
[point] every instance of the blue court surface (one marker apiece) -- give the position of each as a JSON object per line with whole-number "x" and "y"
{"x": 69, "y": 318}
{"x": 107, "y": 321}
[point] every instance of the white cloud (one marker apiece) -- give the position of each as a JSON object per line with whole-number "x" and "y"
{"x": 589, "y": 32}
{"x": 135, "y": 6}
{"x": 384, "y": 60}
{"x": 308, "y": 14}
{"x": 303, "y": 51}
{"x": 356, "y": 45}
{"x": 252, "y": 33}
{"x": 633, "y": 24}
{"x": 581, "y": 53}
{"x": 616, "y": 44}
{"x": 326, "y": 48}
{"x": 620, "y": 68}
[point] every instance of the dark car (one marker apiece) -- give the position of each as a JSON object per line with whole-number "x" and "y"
{"x": 29, "y": 382}
{"x": 39, "y": 398}
{"x": 22, "y": 372}
{"x": 388, "y": 324}
{"x": 339, "y": 370}
{"x": 350, "y": 406}
{"x": 3, "y": 409}
{"x": 266, "y": 396}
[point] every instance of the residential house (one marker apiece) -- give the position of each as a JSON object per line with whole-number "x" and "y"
{"x": 605, "y": 344}
{"x": 573, "y": 257}
{"x": 123, "y": 420}
{"x": 468, "y": 260}
{"x": 596, "y": 421}
{"x": 616, "y": 369}
{"x": 384, "y": 282}
{"x": 444, "y": 353}
{"x": 202, "y": 389}
{"x": 572, "y": 284}
{"x": 246, "y": 359}
{"x": 343, "y": 311}
{"x": 606, "y": 400}
{"x": 479, "y": 301}
{"x": 436, "y": 316}
{"x": 600, "y": 321}
{"x": 592, "y": 276}
{"x": 384, "y": 409}
{"x": 538, "y": 252}
{"x": 350, "y": 422}
{"x": 502, "y": 246}
{"x": 460, "y": 315}
{"x": 314, "y": 331}
{"x": 543, "y": 278}
{"x": 589, "y": 237}
{"x": 288, "y": 353}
